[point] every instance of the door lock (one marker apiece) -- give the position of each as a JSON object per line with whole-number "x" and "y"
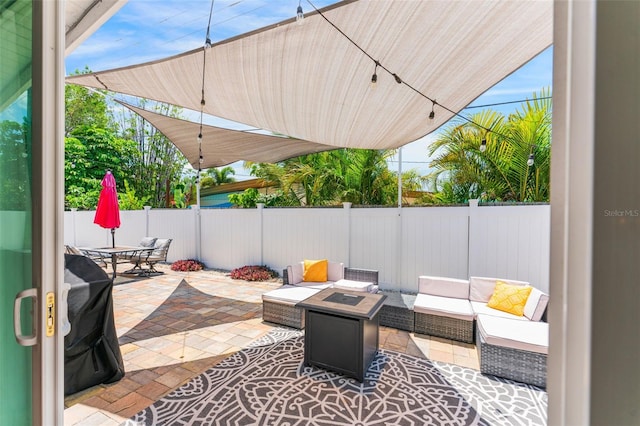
{"x": 51, "y": 312}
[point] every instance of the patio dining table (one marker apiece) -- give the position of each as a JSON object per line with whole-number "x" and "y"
{"x": 115, "y": 255}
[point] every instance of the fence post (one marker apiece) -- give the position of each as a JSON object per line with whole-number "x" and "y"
{"x": 347, "y": 207}
{"x": 147, "y": 210}
{"x": 261, "y": 219}
{"x": 471, "y": 223}
{"x": 73, "y": 224}
{"x": 198, "y": 231}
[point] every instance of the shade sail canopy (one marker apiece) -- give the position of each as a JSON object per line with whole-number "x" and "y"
{"x": 310, "y": 82}
{"x": 223, "y": 146}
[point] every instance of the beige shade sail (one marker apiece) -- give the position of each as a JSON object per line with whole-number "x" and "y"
{"x": 223, "y": 146}
{"x": 310, "y": 82}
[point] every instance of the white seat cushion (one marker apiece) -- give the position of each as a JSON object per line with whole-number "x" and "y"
{"x": 482, "y": 308}
{"x": 532, "y": 336}
{"x": 361, "y": 286}
{"x": 316, "y": 286}
{"x": 289, "y": 295}
{"x": 443, "y": 306}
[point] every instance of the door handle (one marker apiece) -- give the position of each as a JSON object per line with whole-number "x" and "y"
{"x": 63, "y": 309}
{"x": 23, "y": 340}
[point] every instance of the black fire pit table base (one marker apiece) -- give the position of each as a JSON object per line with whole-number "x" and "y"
{"x": 342, "y": 330}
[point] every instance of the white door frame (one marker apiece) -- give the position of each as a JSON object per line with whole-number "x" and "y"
{"x": 48, "y": 205}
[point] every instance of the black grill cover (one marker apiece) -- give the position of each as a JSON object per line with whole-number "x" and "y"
{"x": 91, "y": 350}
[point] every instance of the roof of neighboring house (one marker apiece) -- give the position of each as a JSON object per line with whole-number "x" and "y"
{"x": 235, "y": 187}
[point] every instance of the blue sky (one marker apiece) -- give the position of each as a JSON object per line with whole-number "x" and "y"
{"x": 146, "y": 30}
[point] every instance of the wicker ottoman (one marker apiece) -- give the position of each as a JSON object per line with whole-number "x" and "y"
{"x": 278, "y": 306}
{"x": 513, "y": 349}
{"x": 397, "y": 311}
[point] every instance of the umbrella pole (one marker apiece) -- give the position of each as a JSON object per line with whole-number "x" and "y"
{"x": 113, "y": 237}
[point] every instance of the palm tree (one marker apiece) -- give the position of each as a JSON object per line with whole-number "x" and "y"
{"x": 497, "y": 169}
{"x": 328, "y": 178}
{"x": 217, "y": 176}
{"x": 367, "y": 178}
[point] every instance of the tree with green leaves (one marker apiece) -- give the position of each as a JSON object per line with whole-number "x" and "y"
{"x": 512, "y": 164}
{"x": 160, "y": 162}
{"x": 85, "y": 108}
{"x": 328, "y": 178}
{"x": 89, "y": 152}
{"x": 14, "y": 155}
{"x": 217, "y": 176}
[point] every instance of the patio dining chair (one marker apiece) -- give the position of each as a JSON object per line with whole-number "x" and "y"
{"x": 96, "y": 257}
{"x": 150, "y": 258}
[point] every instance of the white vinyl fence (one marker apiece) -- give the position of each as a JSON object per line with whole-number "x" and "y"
{"x": 491, "y": 241}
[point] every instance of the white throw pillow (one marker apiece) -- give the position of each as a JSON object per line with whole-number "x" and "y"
{"x": 536, "y": 305}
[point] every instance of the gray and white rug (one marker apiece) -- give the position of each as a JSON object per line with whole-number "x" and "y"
{"x": 267, "y": 384}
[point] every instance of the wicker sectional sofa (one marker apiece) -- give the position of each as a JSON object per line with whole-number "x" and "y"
{"x": 279, "y": 305}
{"x": 510, "y": 346}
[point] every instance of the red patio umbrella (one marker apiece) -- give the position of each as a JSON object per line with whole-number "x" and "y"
{"x": 108, "y": 211}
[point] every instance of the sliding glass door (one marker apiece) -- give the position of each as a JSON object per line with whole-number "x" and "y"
{"x": 30, "y": 344}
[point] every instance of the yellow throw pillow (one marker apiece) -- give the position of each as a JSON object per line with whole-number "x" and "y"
{"x": 510, "y": 298}
{"x": 315, "y": 270}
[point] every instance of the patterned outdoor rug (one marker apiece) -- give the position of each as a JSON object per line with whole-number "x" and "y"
{"x": 267, "y": 384}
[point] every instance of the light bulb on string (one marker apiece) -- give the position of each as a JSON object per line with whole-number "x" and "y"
{"x": 432, "y": 114}
{"x": 398, "y": 79}
{"x": 531, "y": 160}
{"x": 374, "y": 77}
{"x": 299, "y": 15}
{"x": 207, "y": 43}
{"x": 483, "y": 145}
{"x": 199, "y": 137}
{"x": 201, "y": 159}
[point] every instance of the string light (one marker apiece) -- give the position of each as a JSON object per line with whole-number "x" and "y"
{"x": 374, "y": 77}
{"x": 483, "y": 145}
{"x": 531, "y": 160}
{"x": 299, "y": 13}
{"x": 207, "y": 42}
{"x": 207, "y": 47}
{"x": 399, "y": 81}
{"x": 432, "y": 114}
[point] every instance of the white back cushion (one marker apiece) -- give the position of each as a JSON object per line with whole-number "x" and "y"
{"x": 536, "y": 304}
{"x": 335, "y": 271}
{"x": 445, "y": 287}
{"x": 295, "y": 273}
{"x": 481, "y": 288}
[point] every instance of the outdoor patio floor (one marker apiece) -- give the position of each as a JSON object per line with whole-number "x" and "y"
{"x": 174, "y": 326}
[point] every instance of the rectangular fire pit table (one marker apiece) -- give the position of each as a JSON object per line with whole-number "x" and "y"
{"x": 341, "y": 330}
